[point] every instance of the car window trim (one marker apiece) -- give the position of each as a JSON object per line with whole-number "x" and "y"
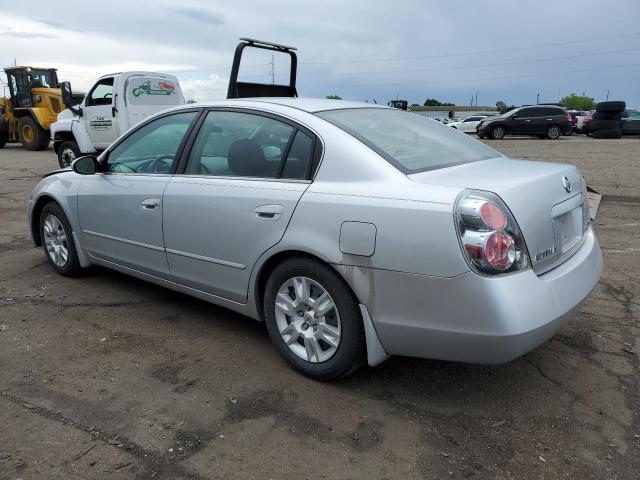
{"x": 250, "y": 111}
{"x": 104, "y": 157}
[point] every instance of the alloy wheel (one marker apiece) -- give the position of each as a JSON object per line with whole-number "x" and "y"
{"x": 553, "y": 132}
{"x": 498, "y": 133}
{"x": 55, "y": 239}
{"x": 308, "y": 319}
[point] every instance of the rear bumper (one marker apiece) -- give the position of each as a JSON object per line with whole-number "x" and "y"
{"x": 470, "y": 318}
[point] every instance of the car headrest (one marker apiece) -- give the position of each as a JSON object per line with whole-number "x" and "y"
{"x": 246, "y": 159}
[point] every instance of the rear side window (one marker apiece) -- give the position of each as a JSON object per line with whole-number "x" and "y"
{"x": 237, "y": 144}
{"x": 550, "y": 111}
{"x": 410, "y": 142}
{"x": 298, "y": 162}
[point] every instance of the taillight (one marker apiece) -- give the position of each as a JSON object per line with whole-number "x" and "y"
{"x": 489, "y": 235}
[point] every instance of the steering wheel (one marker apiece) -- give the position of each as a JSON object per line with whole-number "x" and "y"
{"x": 160, "y": 165}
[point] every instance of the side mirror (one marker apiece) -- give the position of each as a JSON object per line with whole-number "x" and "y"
{"x": 85, "y": 165}
{"x": 67, "y": 98}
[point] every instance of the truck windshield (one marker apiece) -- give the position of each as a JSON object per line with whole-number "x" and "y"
{"x": 410, "y": 142}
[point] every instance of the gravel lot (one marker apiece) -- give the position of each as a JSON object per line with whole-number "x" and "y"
{"x": 109, "y": 377}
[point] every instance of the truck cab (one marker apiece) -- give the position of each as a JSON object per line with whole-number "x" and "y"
{"x": 114, "y": 104}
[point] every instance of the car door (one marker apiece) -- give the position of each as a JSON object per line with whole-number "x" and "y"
{"x": 120, "y": 208}
{"x": 98, "y": 113}
{"x": 241, "y": 183}
{"x": 525, "y": 121}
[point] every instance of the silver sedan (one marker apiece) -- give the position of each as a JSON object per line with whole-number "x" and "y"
{"x": 354, "y": 231}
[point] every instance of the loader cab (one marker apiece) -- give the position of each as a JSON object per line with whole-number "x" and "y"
{"x": 22, "y": 80}
{"x": 241, "y": 89}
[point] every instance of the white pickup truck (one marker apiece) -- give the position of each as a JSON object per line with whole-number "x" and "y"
{"x": 114, "y": 104}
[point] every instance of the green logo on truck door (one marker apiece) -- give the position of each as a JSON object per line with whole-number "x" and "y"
{"x": 162, "y": 88}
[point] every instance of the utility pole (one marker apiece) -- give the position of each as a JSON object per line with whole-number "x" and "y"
{"x": 538, "y": 99}
{"x": 607, "y": 96}
{"x": 476, "y": 98}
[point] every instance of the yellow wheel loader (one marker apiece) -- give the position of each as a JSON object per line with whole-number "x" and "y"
{"x": 33, "y": 103}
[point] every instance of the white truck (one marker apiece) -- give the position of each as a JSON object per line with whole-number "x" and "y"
{"x": 114, "y": 104}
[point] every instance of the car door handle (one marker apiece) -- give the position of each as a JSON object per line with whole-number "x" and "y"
{"x": 268, "y": 212}
{"x": 150, "y": 203}
{"x": 527, "y": 120}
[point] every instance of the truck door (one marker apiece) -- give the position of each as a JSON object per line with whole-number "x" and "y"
{"x": 99, "y": 115}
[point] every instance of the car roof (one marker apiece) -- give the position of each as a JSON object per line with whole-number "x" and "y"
{"x": 310, "y": 105}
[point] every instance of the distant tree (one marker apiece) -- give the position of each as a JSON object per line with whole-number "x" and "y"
{"x": 191, "y": 100}
{"x": 502, "y": 107}
{"x": 432, "y": 102}
{"x": 334, "y": 97}
{"x": 578, "y": 102}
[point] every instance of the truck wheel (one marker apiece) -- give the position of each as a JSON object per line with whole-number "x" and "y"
{"x": 32, "y": 135}
{"x": 67, "y": 152}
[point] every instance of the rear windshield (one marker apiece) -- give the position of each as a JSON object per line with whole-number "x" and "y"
{"x": 412, "y": 143}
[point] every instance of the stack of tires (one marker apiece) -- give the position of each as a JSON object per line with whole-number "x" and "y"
{"x": 606, "y": 120}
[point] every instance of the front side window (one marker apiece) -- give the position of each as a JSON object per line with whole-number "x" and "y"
{"x": 151, "y": 149}
{"x": 410, "y": 142}
{"x": 102, "y": 93}
{"x": 236, "y": 144}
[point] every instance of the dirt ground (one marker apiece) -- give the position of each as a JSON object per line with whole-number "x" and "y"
{"x": 108, "y": 377}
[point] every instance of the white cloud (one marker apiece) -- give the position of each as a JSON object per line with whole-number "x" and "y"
{"x": 205, "y": 90}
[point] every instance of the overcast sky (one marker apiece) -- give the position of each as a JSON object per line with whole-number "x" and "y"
{"x": 505, "y": 50}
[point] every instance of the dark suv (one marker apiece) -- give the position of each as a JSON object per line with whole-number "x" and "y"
{"x": 539, "y": 120}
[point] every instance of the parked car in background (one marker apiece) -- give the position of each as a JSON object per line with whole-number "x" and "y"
{"x": 447, "y": 120}
{"x": 630, "y": 123}
{"x": 296, "y": 211}
{"x": 575, "y": 115}
{"x": 583, "y": 121}
{"x": 467, "y": 125}
{"x": 548, "y": 121}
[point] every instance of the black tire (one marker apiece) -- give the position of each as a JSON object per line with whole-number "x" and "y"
{"x": 554, "y": 132}
{"x": 71, "y": 268}
{"x": 4, "y": 132}
{"x": 351, "y": 351}
{"x": 613, "y": 106}
{"x": 37, "y": 139}
{"x": 613, "y": 133}
{"x": 605, "y": 125}
{"x": 498, "y": 132}
{"x": 607, "y": 116}
{"x": 67, "y": 152}
{"x": 480, "y": 136}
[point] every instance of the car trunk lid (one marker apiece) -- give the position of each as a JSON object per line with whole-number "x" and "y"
{"x": 546, "y": 199}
